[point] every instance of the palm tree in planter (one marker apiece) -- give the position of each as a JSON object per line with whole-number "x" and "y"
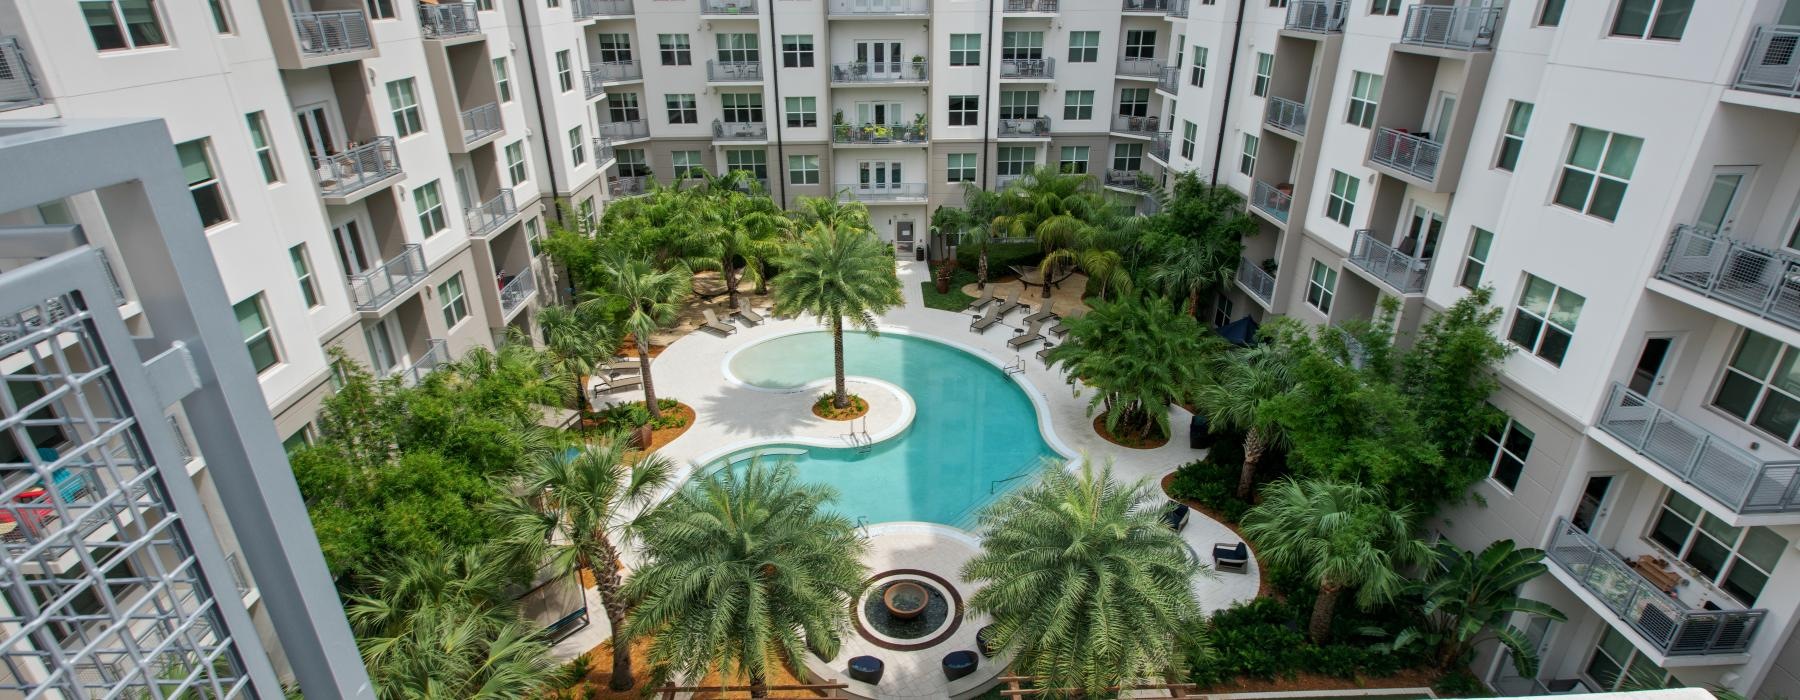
{"x": 1234, "y": 397}
{"x": 580, "y": 340}
{"x": 730, "y": 225}
{"x": 831, "y": 212}
{"x": 1139, "y": 355}
{"x": 571, "y": 510}
{"x": 743, "y": 569}
{"x": 1341, "y": 535}
{"x": 1084, "y": 582}
{"x": 652, "y": 300}
{"x": 838, "y": 273}
{"x": 1468, "y": 599}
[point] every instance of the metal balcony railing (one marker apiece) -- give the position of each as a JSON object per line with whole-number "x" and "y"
{"x": 389, "y": 280}
{"x": 734, "y": 71}
{"x": 239, "y": 577}
{"x": 616, "y": 71}
{"x": 342, "y": 173}
{"x": 880, "y": 7}
{"x": 1027, "y": 68}
{"x": 1159, "y": 146}
{"x": 1394, "y": 268}
{"x": 487, "y": 217}
{"x": 1673, "y": 627}
{"x": 873, "y": 192}
{"x": 480, "y": 122}
{"x": 1772, "y": 63}
{"x": 626, "y": 186}
{"x": 740, "y": 131}
{"x": 1169, "y": 79}
{"x": 1730, "y": 474}
{"x": 1753, "y": 278}
{"x": 1142, "y": 126}
{"x": 1286, "y": 115}
{"x": 326, "y": 33}
{"x": 437, "y": 354}
{"x": 1408, "y": 153}
{"x": 877, "y": 133}
{"x": 1140, "y": 67}
{"x": 515, "y": 292}
{"x": 1134, "y": 180}
{"x": 448, "y": 19}
{"x": 1178, "y": 8}
{"x": 1157, "y": 6}
{"x": 1451, "y": 26}
{"x": 592, "y": 85}
{"x": 1271, "y": 201}
{"x": 17, "y": 87}
{"x": 603, "y": 150}
{"x": 728, "y": 7}
{"x": 879, "y": 72}
{"x": 1030, "y": 127}
{"x": 1256, "y": 280}
{"x": 585, "y": 9}
{"x": 1324, "y": 16}
{"x": 625, "y": 131}
{"x": 1031, "y": 6}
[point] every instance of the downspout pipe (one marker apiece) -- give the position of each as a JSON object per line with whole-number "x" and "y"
{"x": 780, "y": 181}
{"x": 1237, "y": 39}
{"x": 537, "y": 100}
{"x": 987, "y": 93}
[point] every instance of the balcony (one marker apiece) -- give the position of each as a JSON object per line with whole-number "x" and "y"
{"x": 589, "y": 9}
{"x": 1143, "y": 127}
{"x": 1317, "y": 16}
{"x": 728, "y": 8}
{"x": 390, "y": 280}
{"x": 1271, "y": 200}
{"x": 740, "y": 131}
{"x": 1145, "y": 68}
{"x": 879, "y": 8}
{"x": 1752, "y": 278}
{"x": 1733, "y": 476}
{"x": 486, "y": 218}
{"x": 613, "y": 72}
{"x": 515, "y": 292}
{"x": 1026, "y": 128}
{"x": 1030, "y": 7}
{"x": 1129, "y": 180}
{"x": 1178, "y": 8}
{"x": 624, "y": 132}
{"x": 1150, "y": 6}
{"x": 480, "y": 122}
{"x": 872, "y": 193}
{"x": 436, "y": 355}
{"x": 1028, "y": 69}
{"x": 1451, "y": 27}
{"x": 17, "y": 88}
{"x": 331, "y": 33}
{"x": 1404, "y": 273}
{"x": 448, "y": 20}
{"x": 357, "y": 170}
{"x": 878, "y": 73}
{"x": 1283, "y": 114}
{"x": 877, "y": 135}
{"x": 603, "y": 151}
{"x": 626, "y": 186}
{"x": 1406, "y": 154}
{"x": 1666, "y": 623}
{"x": 1255, "y": 280}
{"x": 1169, "y": 79}
{"x": 1771, "y": 66}
{"x": 734, "y": 72}
{"x": 1159, "y": 146}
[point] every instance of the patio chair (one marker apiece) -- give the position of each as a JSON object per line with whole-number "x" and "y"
{"x": 990, "y": 318}
{"x": 1012, "y": 301}
{"x": 866, "y": 669}
{"x": 715, "y": 325}
{"x": 748, "y": 314}
{"x": 1062, "y": 324}
{"x": 1233, "y": 558}
{"x": 987, "y": 297}
{"x": 958, "y": 664}
{"x": 1031, "y": 335}
{"x": 1175, "y": 516}
{"x": 1047, "y": 314}
{"x": 1043, "y": 353}
{"x": 618, "y": 384}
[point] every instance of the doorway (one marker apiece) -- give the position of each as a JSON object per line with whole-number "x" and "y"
{"x": 878, "y": 113}
{"x": 882, "y": 58}
{"x": 1422, "y": 233}
{"x": 878, "y": 176}
{"x": 1723, "y": 195}
{"x": 1446, "y": 111}
{"x": 384, "y": 346}
{"x": 1651, "y": 370}
{"x": 1596, "y": 500}
{"x": 356, "y": 253}
{"x": 318, "y": 134}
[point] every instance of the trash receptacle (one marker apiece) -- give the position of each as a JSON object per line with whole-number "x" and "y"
{"x": 919, "y": 253}
{"x": 1199, "y": 437}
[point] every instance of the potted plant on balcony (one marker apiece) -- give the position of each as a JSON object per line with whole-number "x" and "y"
{"x": 918, "y": 126}
{"x": 838, "y": 126}
{"x": 918, "y": 65}
{"x": 881, "y": 132}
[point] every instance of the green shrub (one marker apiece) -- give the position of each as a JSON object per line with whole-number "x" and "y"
{"x": 1461, "y": 684}
{"x": 628, "y": 416}
{"x": 1211, "y": 485}
{"x": 1000, "y": 257}
{"x": 1264, "y": 639}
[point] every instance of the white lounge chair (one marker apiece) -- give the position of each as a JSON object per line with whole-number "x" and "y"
{"x": 715, "y": 325}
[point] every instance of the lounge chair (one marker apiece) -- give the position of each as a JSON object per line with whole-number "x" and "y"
{"x": 621, "y": 365}
{"x": 1031, "y": 335}
{"x": 1012, "y": 302}
{"x": 1062, "y": 325}
{"x": 990, "y": 318}
{"x": 1175, "y": 516}
{"x": 1234, "y": 558}
{"x": 1047, "y": 314}
{"x": 748, "y": 314}
{"x": 1043, "y": 353}
{"x": 715, "y": 325}
{"x": 619, "y": 384}
{"x": 987, "y": 297}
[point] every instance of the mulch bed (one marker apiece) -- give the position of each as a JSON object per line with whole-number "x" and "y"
{"x": 600, "y": 672}
{"x": 1409, "y": 678}
{"x": 823, "y": 408}
{"x": 1130, "y": 441}
{"x": 664, "y": 436}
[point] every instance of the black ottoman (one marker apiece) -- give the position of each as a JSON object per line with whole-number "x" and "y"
{"x": 984, "y": 644}
{"x": 866, "y": 669}
{"x": 960, "y": 663}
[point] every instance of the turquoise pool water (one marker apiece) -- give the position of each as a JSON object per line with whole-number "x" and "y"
{"x": 974, "y": 429}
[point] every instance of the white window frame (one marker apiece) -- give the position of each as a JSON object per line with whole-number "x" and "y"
{"x": 1190, "y": 134}
{"x": 1250, "y": 144}
{"x": 125, "y": 34}
{"x": 1481, "y": 244}
{"x": 1703, "y": 528}
{"x": 1197, "y": 72}
{"x": 1501, "y": 442}
{"x": 1365, "y": 96}
{"x": 428, "y": 203}
{"x": 803, "y": 170}
{"x": 1265, "y": 70}
{"x": 266, "y": 334}
{"x": 1512, "y": 135}
{"x": 961, "y": 167}
{"x": 1082, "y": 51}
{"x": 1081, "y": 158}
{"x": 565, "y": 71}
{"x": 1321, "y": 286}
{"x": 577, "y": 148}
{"x": 1078, "y": 105}
{"x": 212, "y": 181}
{"x": 802, "y": 110}
{"x": 516, "y": 169}
{"x": 453, "y": 300}
{"x": 303, "y": 275}
{"x": 1340, "y": 200}
{"x": 403, "y": 104}
{"x": 503, "y": 79}
{"x": 687, "y": 164}
{"x": 675, "y": 49}
{"x": 1598, "y": 173}
{"x": 1651, "y": 19}
{"x": 961, "y": 53}
{"x": 1014, "y": 160}
{"x": 1548, "y": 319}
{"x": 258, "y": 124}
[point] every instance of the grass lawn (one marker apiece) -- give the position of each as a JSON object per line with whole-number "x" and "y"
{"x": 953, "y": 300}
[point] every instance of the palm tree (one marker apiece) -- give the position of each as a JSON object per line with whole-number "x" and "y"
{"x": 831, "y": 212}
{"x": 570, "y": 510}
{"x": 834, "y": 274}
{"x": 1140, "y": 356}
{"x": 652, "y": 300}
{"x": 1186, "y": 272}
{"x": 1469, "y": 597}
{"x": 580, "y": 340}
{"x": 1341, "y": 535}
{"x": 742, "y": 570}
{"x": 1084, "y": 581}
{"x": 407, "y": 583}
{"x": 1071, "y": 219}
{"x": 730, "y": 224}
{"x": 1234, "y": 399}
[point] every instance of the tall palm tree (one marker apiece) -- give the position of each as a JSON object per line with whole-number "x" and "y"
{"x": 571, "y": 510}
{"x": 1140, "y": 356}
{"x": 727, "y": 224}
{"x": 1234, "y": 399}
{"x": 742, "y": 570}
{"x": 1342, "y": 535}
{"x": 1470, "y": 597}
{"x": 1071, "y": 218}
{"x": 580, "y": 340}
{"x": 834, "y": 274}
{"x": 831, "y": 212}
{"x": 398, "y": 587}
{"x": 652, "y": 300}
{"x": 1084, "y": 581}
{"x": 1188, "y": 271}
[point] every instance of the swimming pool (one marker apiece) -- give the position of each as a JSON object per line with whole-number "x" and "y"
{"x": 973, "y": 432}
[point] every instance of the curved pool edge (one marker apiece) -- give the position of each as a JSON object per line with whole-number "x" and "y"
{"x": 908, "y": 411}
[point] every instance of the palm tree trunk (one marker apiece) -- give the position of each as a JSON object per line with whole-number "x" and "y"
{"x": 1193, "y": 305}
{"x": 1319, "y": 627}
{"x": 981, "y": 270}
{"x": 759, "y": 686}
{"x": 649, "y": 386}
{"x": 607, "y": 584}
{"x": 731, "y": 295}
{"x": 841, "y": 400}
{"x": 1254, "y": 446}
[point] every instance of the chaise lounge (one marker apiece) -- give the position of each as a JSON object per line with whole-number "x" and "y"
{"x": 990, "y": 318}
{"x": 987, "y": 297}
{"x": 1049, "y": 313}
{"x": 749, "y": 315}
{"x": 1012, "y": 302}
{"x": 1031, "y": 335}
{"x": 715, "y": 325}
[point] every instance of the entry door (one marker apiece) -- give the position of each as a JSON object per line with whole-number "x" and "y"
{"x": 1723, "y": 195}
{"x": 384, "y": 346}
{"x": 1446, "y": 110}
{"x": 316, "y": 132}
{"x": 882, "y": 113}
{"x": 356, "y": 254}
{"x": 1596, "y": 500}
{"x": 1652, "y": 368}
{"x": 1422, "y": 233}
{"x": 465, "y": 187}
{"x": 882, "y": 57}
{"x": 878, "y": 176}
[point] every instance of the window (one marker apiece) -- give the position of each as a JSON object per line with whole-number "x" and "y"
{"x": 1321, "y": 287}
{"x": 1512, "y": 140}
{"x": 1476, "y": 263}
{"x": 1544, "y": 322}
{"x": 1340, "y": 202}
{"x": 738, "y": 48}
{"x": 961, "y": 167}
{"x": 584, "y": 214}
{"x": 1617, "y": 665}
{"x": 553, "y": 4}
{"x": 797, "y": 50}
{"x": 1597, "y": 172}
{"x": 623, "y": 107}
{"x": 577, "y": 148}
{"x": 1190, "y": 134}
{"x": 221, "y": 16}
{"x": 259, "y": 142}
{"x": 683, "y": 109}
{"x": 965, "y": 110}
{"x": 1016, "y": 160}
{"x": 123, "y": 24}
{"x": 803, "y": 170}
{"x": 565, "y": 73}
{"x": 1074, "y": 159}
{"x": 631, "y": 162}
{"x": 1197, "y": 73}
{"x": 751, "y": 161}
{"x": 675, "y": 49}
{"x": 1505, "y": 449}
{"x": 1761, "y": 387}
{"x": 1128, "y": 157}
{"x": 1078, "y": 104}
{"x": 502, "y": 80}
{"x": 741, "y": 107}
{"x": 1551, "y": 14}
{"x": 1180, "y": 43}
{"x": 430, "y": 205}
{"x": 381, "y": 9}
{"x": 965, "y": 49}
{"x": 1247, "y": 161}
{"x": 1384, "y": 7}
{"x": 1365, "y": 93}
{"x": 1134, "y": 102}
{"x": 1140, "y": 43}
{"x": 802, "y": 111}
{"x": 404, "y": 102}
{"x": 1265, "y": 67}
{"x": 1084, "y": 47}
{"x": 1652, "y": 19}
{"x": 309, "y": 289}
{"x": 1221, "y": 310}
{"x": 612, "y": 47}
{"x": 203, "y": 182}
{"x": 687, "y": 164}
{"x": 515, "y": 162}
{"x": 1018, "y": 104}
{"x": 534, "y": 237}
{"x": 455, "y": 305}
{"x": 301, "y": 438}
{"x": 1737, "y": 559}
{"x": 484, "y": 5}
{"x": 259, "y": 338}
{"x": 1021, "y": 46}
